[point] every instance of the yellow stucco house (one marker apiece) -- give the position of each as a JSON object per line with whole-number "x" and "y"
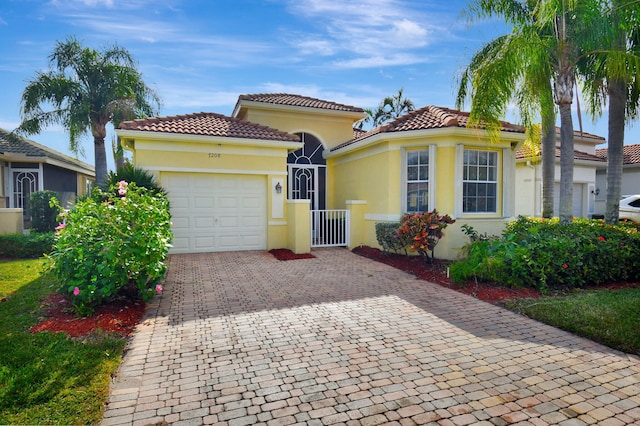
{"x": 288, "y": 171}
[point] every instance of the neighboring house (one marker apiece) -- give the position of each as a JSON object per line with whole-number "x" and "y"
{"x": 630, "y": 174}
{"x": 248, "y": 182}
{"x": 26, "y": 167}
{"x": 586, "y": 164}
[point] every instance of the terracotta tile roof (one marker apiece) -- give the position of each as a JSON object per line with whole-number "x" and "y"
{"x": 630, "y": 153}
{"x": 428, "y": 117}
{"x": 297, "y": 100}
{"x": 585, "y": 135}
{"x": 358, "y": 133}
{"x": 577, "y": 155}
{"x": 10, "y": 143}
{"x": 208, "y": 124}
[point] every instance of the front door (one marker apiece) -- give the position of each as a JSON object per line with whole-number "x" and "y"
{"x": 303, "y": 184}
{"x": 307, "y": 173}
{"x": 24, "y": 184}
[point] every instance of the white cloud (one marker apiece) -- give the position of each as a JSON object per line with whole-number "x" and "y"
{"x": 381, "y": 61}
{"x": 109, "y": 4}
{"x": 377, "y": 32}
{"x": 178, "y": 98}
{"x": 315, "y": 47}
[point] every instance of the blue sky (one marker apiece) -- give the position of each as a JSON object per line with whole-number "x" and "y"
{"x": 199, "y": 55}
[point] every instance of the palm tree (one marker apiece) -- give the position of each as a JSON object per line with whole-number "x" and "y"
{"x": 542, "y": 47}
{"x": 514, "y": 67}
{"x": 389, "y": 109}
{"x": 87, "y": 89}
{"x": 613, "y": 72}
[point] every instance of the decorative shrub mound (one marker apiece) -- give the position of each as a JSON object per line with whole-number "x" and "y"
{"x": 543, "y": 254}
{"x": 423, "y": 230}
{"x": 389, "y": 238}
{"x": 416, "y": 231}
{"x": 112, "y": 242}
{"x": 26, "y": 246}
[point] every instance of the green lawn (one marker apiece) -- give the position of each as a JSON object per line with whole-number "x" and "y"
{"x": 611, "y": 317}
{"x": 47, "y": 378}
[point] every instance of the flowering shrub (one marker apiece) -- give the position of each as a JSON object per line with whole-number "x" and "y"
{"x": 543, "y": 254}
{"x": 112, "y": 242}
{"x": 423, "y": 230}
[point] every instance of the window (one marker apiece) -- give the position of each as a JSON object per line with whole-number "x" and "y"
{"x": 480, "y": 181}
{"x": 417, "y": 181}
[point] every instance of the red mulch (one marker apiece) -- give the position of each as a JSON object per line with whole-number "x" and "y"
{"x": 119, "y": 316}
{"x": 436, "y": 272}
{"x": 286, "y": 254}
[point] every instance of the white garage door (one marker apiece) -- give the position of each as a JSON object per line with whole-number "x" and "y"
{"x": 213, "y": 212}
{"x": 577, "y": 200}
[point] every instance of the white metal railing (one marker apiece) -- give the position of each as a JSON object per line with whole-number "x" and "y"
{"x": 330, "y": 228}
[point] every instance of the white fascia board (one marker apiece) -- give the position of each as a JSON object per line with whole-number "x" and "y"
{"x": 181, "y": 137}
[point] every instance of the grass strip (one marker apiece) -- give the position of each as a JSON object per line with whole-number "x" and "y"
{"x": 48, "y": 378}
{"x": 610, "y": 317}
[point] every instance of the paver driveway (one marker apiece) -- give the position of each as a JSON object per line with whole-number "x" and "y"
{"x": 241, "y": 338}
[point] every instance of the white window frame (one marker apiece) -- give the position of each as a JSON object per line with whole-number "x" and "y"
{"x": 431, "y": 181}
{"x": 495, "y": 181}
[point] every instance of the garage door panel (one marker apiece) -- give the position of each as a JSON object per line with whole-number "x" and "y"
{"x": 227, "y": 202}
{"x": 251, "y": 221}
{"x": 200, "y": 202}
{"x": 180, "y": 222}
{"x": 203, "y": 242}
{"x": 203, "y": 223}
{"x": 178, "y": 202}
{"x": 217, "y": 212}
{"x": 229, "y": 222}
{"x": 252, "y": 241}
{"x": 180, "y": 244}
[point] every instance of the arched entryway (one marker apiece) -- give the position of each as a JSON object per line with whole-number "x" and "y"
{"x": 308, "y": 172}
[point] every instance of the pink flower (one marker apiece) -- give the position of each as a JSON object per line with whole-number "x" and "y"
{"x": 76, "y": 291}
{"x": 565, "y": 266}
{"x": 123, "y": 184}
{"x": 158, "y": 288}
{"x": 61, "y": 226}
{"x": 122, "y": 191}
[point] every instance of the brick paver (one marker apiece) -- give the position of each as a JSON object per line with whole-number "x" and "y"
{"x": 241, "y": 338}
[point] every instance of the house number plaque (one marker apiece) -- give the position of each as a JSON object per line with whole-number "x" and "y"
{"x": 214, "y": 155}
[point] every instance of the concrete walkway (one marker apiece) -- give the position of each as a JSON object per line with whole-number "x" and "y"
{"x": 241, "y": 338}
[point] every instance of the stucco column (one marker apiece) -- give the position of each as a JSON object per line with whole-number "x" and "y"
{"x": 357, "y": 209}
{"x": 299, "y": 226}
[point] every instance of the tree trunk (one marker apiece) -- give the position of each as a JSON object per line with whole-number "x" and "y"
{"x": 548, "y": 164}
{"x": 615, "y": 149}
{"x": 99, "y": 131}
{"x": 100, "y": 160}
{"x": 566, "y": 164}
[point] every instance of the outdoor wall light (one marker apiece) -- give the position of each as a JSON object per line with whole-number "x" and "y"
{"x": 278, "y": 188}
